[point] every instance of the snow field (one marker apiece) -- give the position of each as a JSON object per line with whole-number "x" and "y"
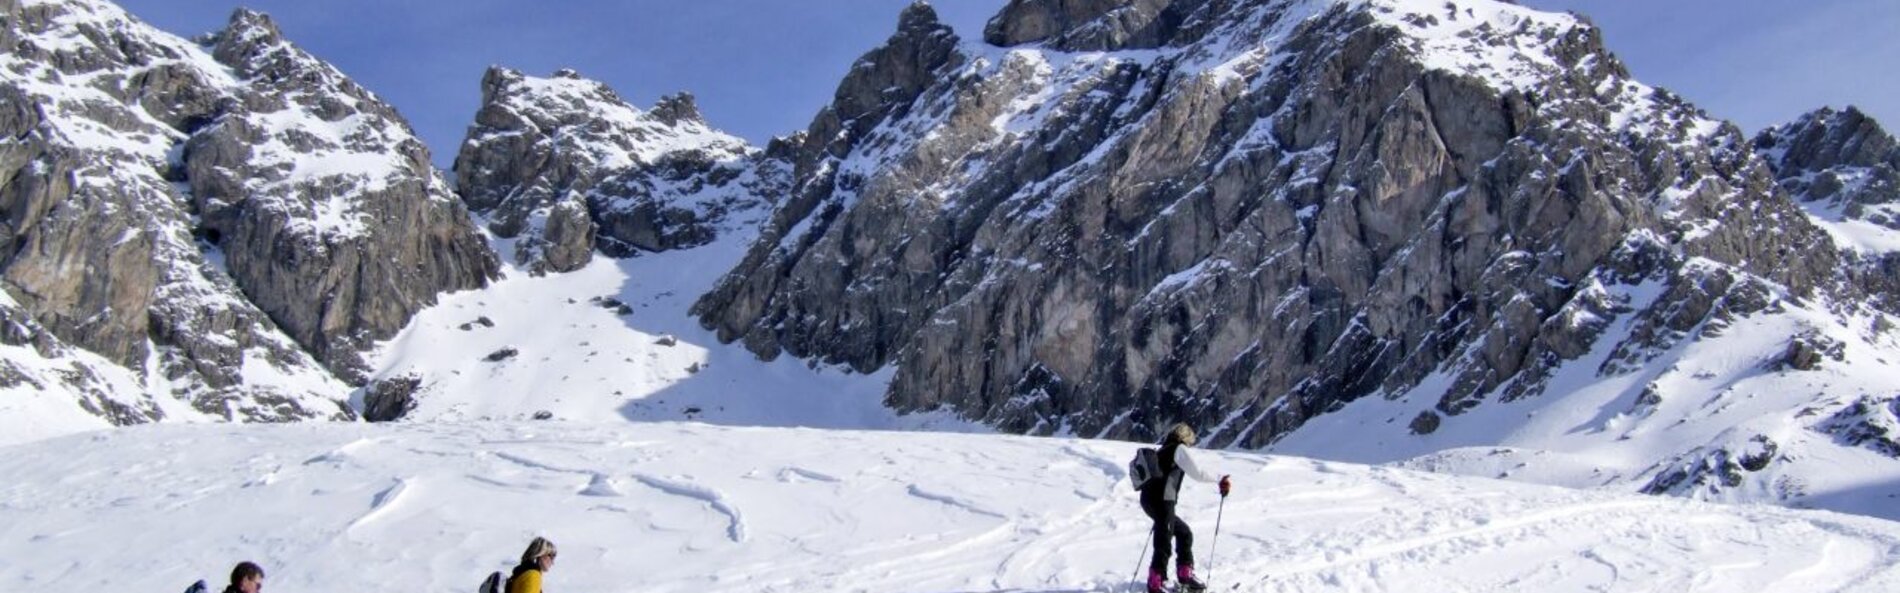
{"x": 689, "y": 507}
{"x": 583, "y": 361}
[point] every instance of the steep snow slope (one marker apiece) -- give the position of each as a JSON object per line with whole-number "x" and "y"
{"x": 1692, "y": 421}
{"x": 613, "y": 340}
{"x": 687, "y": 507}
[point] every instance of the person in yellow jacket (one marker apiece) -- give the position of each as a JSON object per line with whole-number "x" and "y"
{"x": 537, "y": 559}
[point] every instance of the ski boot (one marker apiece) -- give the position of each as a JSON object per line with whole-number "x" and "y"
{"x": 1156, "y": 582}
{"x": 1185, "y": 581}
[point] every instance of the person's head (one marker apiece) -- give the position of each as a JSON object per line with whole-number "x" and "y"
{"x": 248, "y": 577}
{"x": 1182, "y": 433}
{"x": 540, "y": 554}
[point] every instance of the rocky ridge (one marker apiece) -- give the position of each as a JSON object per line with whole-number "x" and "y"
{"x": 212, "y": 219}
{"x": 1844, "y": 169}
{"x": 1842, "y": 160}
{"x": 565, "y": 167}
{"x": 1250, "y": 213}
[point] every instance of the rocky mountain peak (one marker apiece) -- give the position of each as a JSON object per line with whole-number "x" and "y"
{"x": 882, "y": 82}
{"x": 233, "y": 216}
{"x": 255, "y": 26}
{"x": 918, "y": 17}
{"x": 1277, "y": 210}
{"x": 676, "y": 109}
{"x": 1844, "y": 169}
{"x": 570, "y": 167}
{"x": 246, "y": 37}
{"x": 496, "y": 80}
{"x": 1828, "y": 139}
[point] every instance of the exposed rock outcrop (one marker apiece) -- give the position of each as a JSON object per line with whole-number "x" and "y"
{"x": 1841, "y": 158}
{"x": 326, "y": 207}
{"x": 1089, "y": 25}
{"x": 221, "y": 230}
{"x": 567, "y": 167}
{"x": 1869, "y": 422}
{"x": 388, "y": 400}
{"x": 1844, "y": 168}
{"x": 1286, "y": 206}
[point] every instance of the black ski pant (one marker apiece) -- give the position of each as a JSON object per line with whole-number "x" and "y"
{"x": 1168, "y": 528}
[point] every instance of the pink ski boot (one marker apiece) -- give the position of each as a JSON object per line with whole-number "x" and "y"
{"x": 1184, "y": 577}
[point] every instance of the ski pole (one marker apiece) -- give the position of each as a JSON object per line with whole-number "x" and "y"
{"x": 1218, "y": 514}
{"x": 1144, "y": 553}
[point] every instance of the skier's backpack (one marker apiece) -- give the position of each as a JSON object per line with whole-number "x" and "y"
{"x": 1145, "y": 467}
{"x": 198, "y": 587}
{"x": 492, "y": 584}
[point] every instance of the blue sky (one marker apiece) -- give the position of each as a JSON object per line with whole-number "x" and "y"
{"x": 762, "y": 67}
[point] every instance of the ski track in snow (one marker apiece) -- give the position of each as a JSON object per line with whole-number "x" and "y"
{"x": 713, "y": 498}
{"x": 952, "y": 501}
{"x": 794, "y": 473}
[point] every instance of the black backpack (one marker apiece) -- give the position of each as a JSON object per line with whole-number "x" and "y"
{"x": 1145, "y": 467}
{"x": 492, "y": 584}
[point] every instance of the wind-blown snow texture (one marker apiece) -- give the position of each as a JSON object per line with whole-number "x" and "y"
{"x": 694, "y": 508}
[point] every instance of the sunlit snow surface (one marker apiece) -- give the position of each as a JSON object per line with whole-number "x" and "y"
{"x": 671, "y": 507}
{"x": 582, "y": 360}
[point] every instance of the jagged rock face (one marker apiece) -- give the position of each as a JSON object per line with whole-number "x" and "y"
{"x": 56, "y": 370}
{"x": 567, "y": 167}
{"x": 882, "y": 88}
{"x": 1843, "y": 158}
{"x": 1870, "y": 422}
{"x": 1088, "y": 25}
{"x": 326, "y": 207}
{"x": 167, "y": 211}
{"x": 388, "y": 400}
{"x": 1845, "y": 170}
{"x": 1287, "y": 206}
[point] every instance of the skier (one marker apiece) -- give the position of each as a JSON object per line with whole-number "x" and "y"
{"x": 1158, "y": 499}
{"x": 537, "y": 559}
{"x": 246, "y": 577}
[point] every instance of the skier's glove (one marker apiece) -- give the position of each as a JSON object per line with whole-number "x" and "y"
{"x": 1225, "y": 486}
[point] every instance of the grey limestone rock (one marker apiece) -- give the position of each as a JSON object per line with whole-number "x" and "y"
{"x": 1844, "y": 168}
{"x": 388, "y": 400}
{"x": 172, "y": 214}
{"x": 568, "y": 167}
{"x": 1844, "y": 158}
{"x": 1870, "y": 422}
{"x": 1054, "y": 240}
{"x": 338, "y": 258}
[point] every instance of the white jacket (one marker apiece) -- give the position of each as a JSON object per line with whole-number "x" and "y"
{"x": 1186, "y": 463}
{"x": 1184, "y": 466}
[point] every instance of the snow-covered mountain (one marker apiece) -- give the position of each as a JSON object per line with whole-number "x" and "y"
{"x": 1454, "y": 236}
{"x": 226, "y": 224}
{"x": 1373, "y": 230}
{"x": 685, "y": 507}
{"x": 565, "y": 167}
